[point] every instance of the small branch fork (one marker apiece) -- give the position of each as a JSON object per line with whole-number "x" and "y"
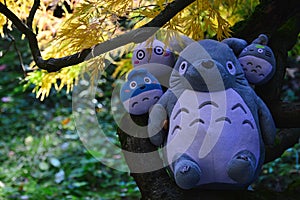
{"x": 33, "y": 10}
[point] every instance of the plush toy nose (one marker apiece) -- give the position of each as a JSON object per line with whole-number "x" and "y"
{"x": 207, "y": 64}
{"x": 142, "y": 87}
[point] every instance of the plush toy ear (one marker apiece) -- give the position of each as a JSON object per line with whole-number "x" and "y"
{"x": 262, "y": 39}
{"x": 135, "y": 72}
{"x": 179, "y": 42}
{"x": 236, "y": 44}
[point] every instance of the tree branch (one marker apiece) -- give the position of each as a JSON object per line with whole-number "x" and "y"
{"x": 33, "y": 43}
{"x": 136, "y": 36}
{"x": 33, "y": 10}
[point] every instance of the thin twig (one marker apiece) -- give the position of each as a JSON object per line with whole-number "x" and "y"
{"x": 20, "y": 57}
{"x": 33, "y": 10}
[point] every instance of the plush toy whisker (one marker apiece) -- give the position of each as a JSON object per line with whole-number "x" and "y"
{"x": 238, "y": 105}
{"x": 201, "y": 121}
{"x": 208, "y": 103}
{"x": 226, "y": 119}
{"x": 248, "y": 122}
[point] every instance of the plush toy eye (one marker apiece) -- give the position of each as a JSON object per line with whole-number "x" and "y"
{"x": 147, "y": 80}
{"x": 158, "y": 50}
{"x": 183, "y": 67}
{"x": 132, "y": 84}
{"x": 140, "y": 54}
{"x": 231, "y": 68}
{"x": 260, "y": 50}
{"x": 245, "y": 49}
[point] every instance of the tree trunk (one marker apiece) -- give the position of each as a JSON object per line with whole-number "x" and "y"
{"x": 152, "y": 184}
{"x": 280, "y": 20}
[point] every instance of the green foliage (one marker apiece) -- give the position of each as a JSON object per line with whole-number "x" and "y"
{"x": 283, "y": 174}
{"x": 41, "y": 154}
{"x": 43, "y": 158}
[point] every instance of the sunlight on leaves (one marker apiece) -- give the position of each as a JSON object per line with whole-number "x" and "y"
{"x": 92, "y": 22}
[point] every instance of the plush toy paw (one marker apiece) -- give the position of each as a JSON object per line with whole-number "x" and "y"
{"x": 187, "y": 173}
{"x": 158, "y": 138}
{"x": 242, "y": 167}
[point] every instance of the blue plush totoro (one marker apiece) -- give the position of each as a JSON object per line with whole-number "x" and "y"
{"x": 218, "y": 126}
{"x": 140, "y": 92}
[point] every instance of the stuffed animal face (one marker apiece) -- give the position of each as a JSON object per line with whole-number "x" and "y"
{"x": 140, "y": 92}
{"x": 258, "y": 61}
{"x": 156, "y": 52}
{"x": 155, "y": 58}
{"x": 203, "y": 72}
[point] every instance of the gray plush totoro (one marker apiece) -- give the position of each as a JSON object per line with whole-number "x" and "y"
{"x": 218, "y": 126}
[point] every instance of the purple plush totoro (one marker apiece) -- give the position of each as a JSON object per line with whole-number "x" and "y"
{"x": 258, "y": 61}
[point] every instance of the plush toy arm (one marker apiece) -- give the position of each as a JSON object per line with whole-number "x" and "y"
{"x": 158, "y": 117}
{"x": 267, "y": 125}
{"x": 236, "y": 44}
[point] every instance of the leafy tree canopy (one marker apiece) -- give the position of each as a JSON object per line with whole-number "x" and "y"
{"x": 63, "y": 28}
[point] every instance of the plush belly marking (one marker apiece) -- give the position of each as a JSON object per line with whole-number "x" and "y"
{"x": 220, "y": 122}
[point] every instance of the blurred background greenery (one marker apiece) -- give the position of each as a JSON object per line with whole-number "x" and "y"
{"x": 42, "y": 156}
